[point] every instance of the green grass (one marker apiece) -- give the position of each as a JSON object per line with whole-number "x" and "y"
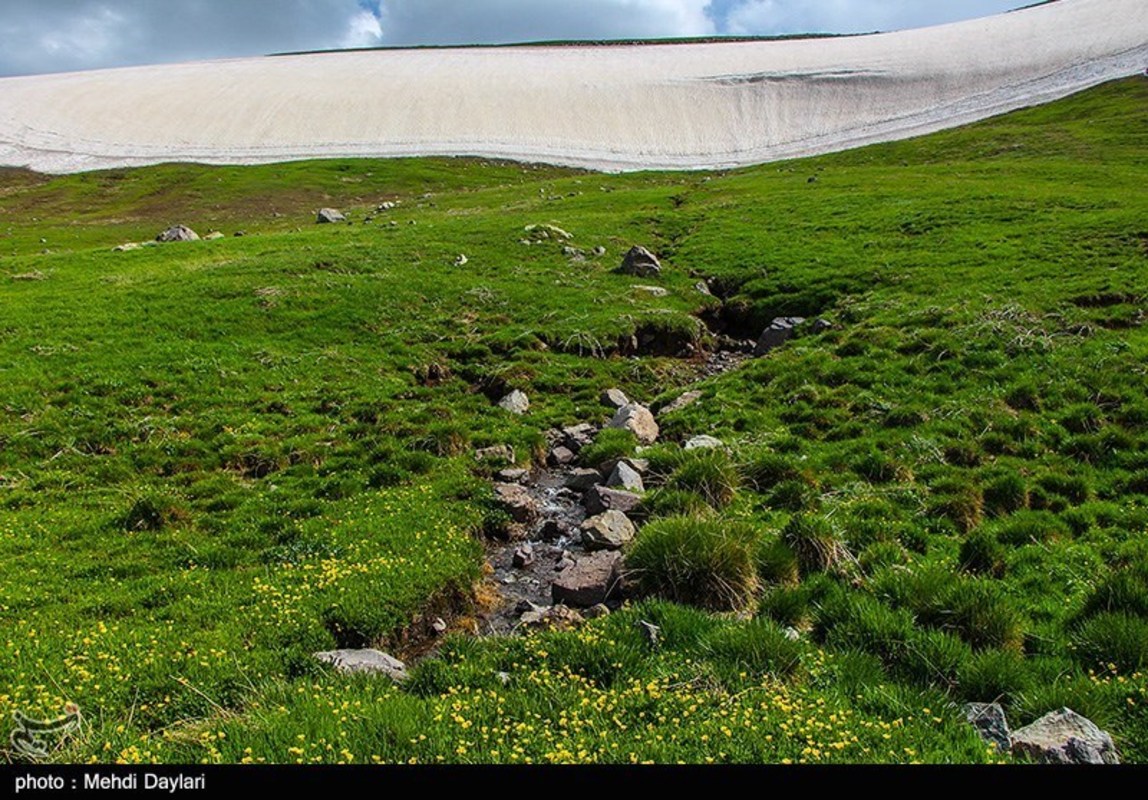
{"x": 219, "y": 457}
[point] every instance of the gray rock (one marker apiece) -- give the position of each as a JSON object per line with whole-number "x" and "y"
{"x": 524, "y": 556}
{"x": 560, "y": 456}
{"x": 501, "y": 452}
{"x": 365, "y": 662}
{"x": 214, "y": 236}
{"x": 461, "y": 260}
{"x": 641, "y": 262}
{"x": 539, "y": 233}
{"x": 387, "y": 206}
{"x": 517, "y": 502}
{"x": 638, "y": 420}
{"x": 610, "y": 530}
{"x": 578, "y": 436}
{"x": 554, "y": 529}
{"x": 600, "y": 499}
{"x": 626, "y": 478}
{"x": 178, "y": 233}
{"x": 592, "y": 580}
{"x": 329, "y": 216}
{"x": 615, "y": 399}
{"x": 439, "y": 626}
{"x": 822, "y": 325}
{"x": 599, "y": 251}
{"x": 991, "y": 723}
{"x": 780, "y": 331}
{"x": 557, "y": 617}
{"x": 513, "y": 475}
{"x": 704, "y": 443}
{"x": 516, "y": 402}
{"x": 703, "y": 288}
{"x": 653, "y": 291}
{"x": 1064, "y": 737}
{"x": 582, "y": 479}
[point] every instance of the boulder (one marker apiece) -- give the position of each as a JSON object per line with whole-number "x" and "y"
{"x": 1064, "y": 737}
{"x": 516, "y": 402}
{"x": 600, "y": 499}
{"x": 615, "y": 399}
{"x": 704, "y": 443}
{"x": 365, "y": 662}
{"x": 610, "y": 530}
{"x": 780, "y": 331}
{"x": 638, "y": 420}
{"x": 560, "y": 456}
{"x": 990, "y": 721}
{"x": 582, "y": 479}
{"x": 626, "y": 478}
{"x": 513, "y": 475}
{"x": 178, "y": 233}
{"x": 641, "y": 262}
{"x": 329, "y": 216}
{"x": 517, "y": 502}
{"x": 501, "y": 452}
{"x": 592, "y": 580}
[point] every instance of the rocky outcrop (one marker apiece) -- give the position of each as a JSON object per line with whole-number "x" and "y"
{"x": 365, "y": 662}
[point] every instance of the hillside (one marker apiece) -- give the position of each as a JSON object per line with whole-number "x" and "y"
{"x": 219, "y": 457}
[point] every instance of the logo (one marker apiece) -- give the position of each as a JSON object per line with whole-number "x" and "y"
{"x": 32, "y": 737}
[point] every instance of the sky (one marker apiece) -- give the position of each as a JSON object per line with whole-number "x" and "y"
{"x": 38, "y": 36}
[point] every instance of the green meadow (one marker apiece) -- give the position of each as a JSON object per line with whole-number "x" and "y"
{"x": 219, "y": 457}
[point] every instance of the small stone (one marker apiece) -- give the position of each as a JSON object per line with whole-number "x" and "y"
{"x": 582, "y": 479}
{"x": 703, "y": 288}
{"x": 560, "y": 456}
{"x": 592, "y": 580}
{"x": 364, "y": 662}
{"x": 578, "y": 436}
{"x": 329, "y": 216}
{"x": 558, "y": 617}
{"x": 503, "y": 678}
{"x": 178, "y": 233}
{"x": 780, "y": 331}
{"x": 822, "y": 325}
{"x": 523, "y": 556}
{"x": 526, "y": 607}
{"x": 990, "y": 721}
{"x": 615, "y": 399}
{"x": 597, "y": 612}
{"x": 626, "y": 478}
{"x": 461, "y": 260}
{"x": 792, "y": 634}
{"x": 565, "y": 561}
{"x": 641, "y": 262}
{"x": 610, "y": 530}
{"x": 513, "y": 475}
{"x": 704, "y": 443}
{"x": 439, "y": 626}
{"x": 651, "y": 631}
{"x": 600, "y": 499}
{"x": 599, "y": 251}
{"x": 553, "y": 530}
{"x": 638, "y": 420}
{"x": 501, "y": 452}
{"x": 653, "y": 291}
{"x": 214, "y": 236}
{"x": 516, "y": 402}
{"x": 127, "y": 247}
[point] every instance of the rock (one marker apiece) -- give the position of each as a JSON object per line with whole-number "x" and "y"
{"x": 990, "y": 721}
{"x": 578, "y": 436}
{"x": 554, "y": 529}
{"x": 792, "y": 634}
{"x": 822, "y": 325}
{"x": 600, "y": 499}
{"x": 597, "y": 612}
{"x": 439, "y": 626}
{"x": 513, "y": 475}
{"x": 565, "y": 561}
{"x": 501, "y": 452}
{"x": 240, "y": 234}
{"x": 704, "y": 443}
{"x": 780, "y": 331}
{"x": 574, "y": 253}
{"x": 503, "y": 678}
{"x": 329, "y": 216}
{"x": 599, "y": 251}
{"x": 127, "y": 247}
{"x": 615, "y": 399}
{"x": 592, "y": 580}
{"x": 461, "y": 260}
{"x": 610, "y": 530}
{"x": 582, "y": 479}
{"x": 684, "y": 401}
{"x": 558, "y": 617}
{"x": 638, "y": 420}
{"x": 387, "y": 206}
{"x": 625, "y": 477}
{"x": 214, "y": 236}
{"x": 654, "y": 291}
{"x": 517, "y": 502}
{"x": 1064, "y": 737}
{"x": 703, "y": 288}
{"x": 641, "y": 263}
{"x": 523, "y": 557}
{"x": 560, "y": 456}
{"x": 544, "y": 232}
{"x": 516, "y": 402}
{"x": 178, "y": 233}
{"x": 368, "y": 662}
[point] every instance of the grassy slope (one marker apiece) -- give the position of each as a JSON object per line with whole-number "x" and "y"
{"x": 218, "y": 457}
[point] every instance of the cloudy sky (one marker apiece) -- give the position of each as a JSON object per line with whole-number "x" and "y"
{"x": 60, "y": 35}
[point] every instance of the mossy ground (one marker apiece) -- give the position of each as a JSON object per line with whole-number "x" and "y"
{"x": 218, "y": 457}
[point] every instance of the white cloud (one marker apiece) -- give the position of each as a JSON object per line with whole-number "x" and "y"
{"x": 763, "y": 17}
{"x": 364, "y": 30}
